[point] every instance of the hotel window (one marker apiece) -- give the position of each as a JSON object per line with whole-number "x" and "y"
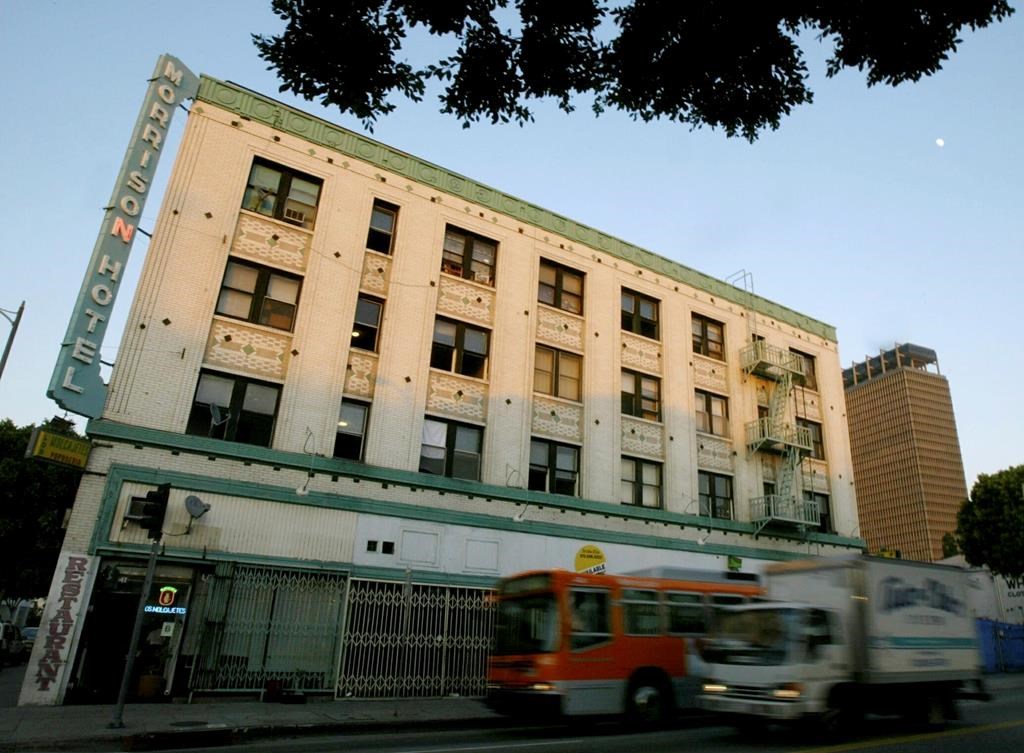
{"x": 366, "y": 328}
{"x": 817, "y": 441}
{"x": 712, "y": 414}
{"x": 560, "y": 287}
{"x": 381, "y": 236}
{"x": 460, "y": 348}
{"x": 557, "y": 373}
{"x": 234, "y": 408}
{"x": 715, "y": 495}
{"x": 640, "y": 483}
{"x": 554, "y": 467}
{"x": 824, "y": 511}
{"x": 639, "y": 314}
{"x": 281, "y": 193}
{"x": 259, "y": 294}
{"x": 451, "y": 449}
{"x": 807, "y": 364}
{"x": 641, "y": 395}
{"x": 469, "y": 256}
{"x": 351, "y": 434}
{"x": 708, "y": 337}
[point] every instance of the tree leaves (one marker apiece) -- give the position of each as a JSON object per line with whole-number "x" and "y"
{"x": 33, "y": 498}
{"x": 990, "y": 525}
{"x": 700, "y": 62}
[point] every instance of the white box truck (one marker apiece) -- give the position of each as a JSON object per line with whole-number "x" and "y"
{"x": 842, "y": 636}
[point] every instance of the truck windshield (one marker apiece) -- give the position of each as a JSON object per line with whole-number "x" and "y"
{"x": 752, "y": 636}
{"x": 526, "y": 625}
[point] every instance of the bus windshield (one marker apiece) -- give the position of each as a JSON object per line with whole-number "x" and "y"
{"x": 527, "y": 625}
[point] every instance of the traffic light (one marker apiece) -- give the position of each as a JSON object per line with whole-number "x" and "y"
{"x": 153, "y": 509}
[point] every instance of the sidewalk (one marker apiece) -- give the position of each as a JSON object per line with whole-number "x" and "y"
{"x": 175, "y": 725}
{"x": 164, "y": 726}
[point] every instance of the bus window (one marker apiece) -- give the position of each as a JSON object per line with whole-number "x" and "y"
{"x": 686, "y": 613}
{"x": 640, "y": 612}
{"x": 589, "y": 617}
{"x": 727, "y": 600}
{"x": 526, "y": 625}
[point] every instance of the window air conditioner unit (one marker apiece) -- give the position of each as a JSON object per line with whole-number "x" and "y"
{"x": 293, "y": 215}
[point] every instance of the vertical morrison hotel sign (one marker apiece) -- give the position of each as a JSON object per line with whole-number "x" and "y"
{"x": 76, "y": 384}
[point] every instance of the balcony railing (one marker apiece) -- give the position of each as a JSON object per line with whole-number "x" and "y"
{"x": 764, "y": 436}
{"x": 770, "y": 361}
{"x": 774, "y": 508}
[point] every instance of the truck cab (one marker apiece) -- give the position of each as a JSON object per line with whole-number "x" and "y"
{"x": 843, "y": 636}
{"x": 775, "y": 660}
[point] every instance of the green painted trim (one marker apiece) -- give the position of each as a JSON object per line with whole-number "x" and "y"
{"x": 215, "y": 448}
{"x": 257, "y": 107}
{"x": 119, "y": 474}
{"x": 178, "y": 556}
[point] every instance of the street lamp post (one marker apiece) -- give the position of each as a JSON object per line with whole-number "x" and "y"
{"x": 14, "y": 329}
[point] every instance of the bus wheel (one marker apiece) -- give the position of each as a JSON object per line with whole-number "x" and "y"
{"x": 647, "y": 701}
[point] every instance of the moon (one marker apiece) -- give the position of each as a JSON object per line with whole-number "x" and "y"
{"x": 940, "y": 143}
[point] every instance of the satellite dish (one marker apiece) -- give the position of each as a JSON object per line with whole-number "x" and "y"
{"x": 196, "y": 507}
{"x": 216, "y": 417}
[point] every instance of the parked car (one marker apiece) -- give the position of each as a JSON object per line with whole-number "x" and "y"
{"x": 28, "y": 637}
{"x": 12, "y": 650}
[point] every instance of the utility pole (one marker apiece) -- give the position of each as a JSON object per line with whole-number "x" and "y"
{"x": 14, "y": 329}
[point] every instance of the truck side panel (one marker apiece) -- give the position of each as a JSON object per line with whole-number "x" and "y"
{"x": 919, "y": 626}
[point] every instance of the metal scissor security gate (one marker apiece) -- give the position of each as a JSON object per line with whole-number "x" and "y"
{"x": 405, "y": 640}
{"x": 257, "y": 625}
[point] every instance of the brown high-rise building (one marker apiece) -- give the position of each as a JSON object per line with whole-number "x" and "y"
{"x": 906, "y": 455}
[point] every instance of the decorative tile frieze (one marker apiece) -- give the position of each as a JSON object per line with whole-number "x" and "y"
{"x": 715, "y": 455}
{"x": 274, "y": 114}
{"x": 641, "y": 437}
{"x": 710, "y": 374}
{"x": 815, "y": 476}
{"x": 361, "y": 374}
{"x": 376, "y": 273}
{"x": 240, "y": 347}
{"x": 559, "y": 329}
{"x": 808, "y": 406}
{"x": 275, "y": 243}
{"x": 641, "y": 353}
{"x": 466, "y": 300}
{"x": 457, "y": 397}
{"x": 557, "y": 419}
{"x": 762, "y": 390}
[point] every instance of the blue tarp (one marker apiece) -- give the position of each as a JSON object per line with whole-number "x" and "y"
{"x": 1002, "y": 646}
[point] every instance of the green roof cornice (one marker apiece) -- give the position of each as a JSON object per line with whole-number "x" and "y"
{"x": 256, "y": 107}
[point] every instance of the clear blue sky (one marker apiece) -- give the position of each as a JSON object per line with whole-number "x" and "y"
{"x": 850, "y": 213}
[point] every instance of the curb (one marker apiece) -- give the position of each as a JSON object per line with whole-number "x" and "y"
{"x": 216, "y": 735}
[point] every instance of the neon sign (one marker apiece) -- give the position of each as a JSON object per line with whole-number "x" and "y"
{"x": 76, "y": 384}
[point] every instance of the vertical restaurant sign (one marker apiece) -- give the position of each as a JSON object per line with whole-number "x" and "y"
{"x": 76, "y": 384}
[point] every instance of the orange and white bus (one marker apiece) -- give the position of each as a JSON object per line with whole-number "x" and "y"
{"x": 573, "y": 644}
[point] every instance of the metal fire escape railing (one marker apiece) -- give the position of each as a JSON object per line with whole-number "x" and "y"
{"x": 773, "y": 434}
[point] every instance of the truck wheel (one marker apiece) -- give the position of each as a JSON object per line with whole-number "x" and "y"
{"x": 840, "y": 719}
{"x": 647, "y": 702}
{"x": 932, "y": 712}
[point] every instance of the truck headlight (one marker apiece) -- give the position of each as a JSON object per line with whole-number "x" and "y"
{"x": 789, "y": 691}
{"x": 541, "y": 687}
{"x": 712, "y": 686}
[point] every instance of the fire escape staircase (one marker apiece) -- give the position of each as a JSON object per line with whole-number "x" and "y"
{"x": 774, "y": 435}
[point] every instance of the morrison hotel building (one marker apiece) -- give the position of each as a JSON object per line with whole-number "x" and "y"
{"x": 391, "y": 385}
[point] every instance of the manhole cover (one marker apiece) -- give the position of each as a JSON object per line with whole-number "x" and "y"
{"x": 189, "y": 724}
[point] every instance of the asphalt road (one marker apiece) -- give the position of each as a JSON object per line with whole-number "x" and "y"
{"x": 995, "y": 727}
